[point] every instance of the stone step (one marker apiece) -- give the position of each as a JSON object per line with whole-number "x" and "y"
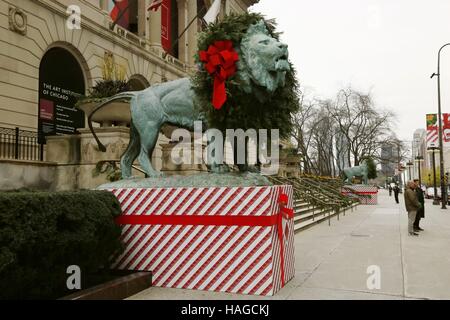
{"x": 306, "y": 211}
{"x": 307, "y": 216}
{"x": 301, "y": 207}
{"x": 306, "y": 221}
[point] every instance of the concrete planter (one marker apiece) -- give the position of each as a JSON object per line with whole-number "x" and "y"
{"x": 117, "y": 112}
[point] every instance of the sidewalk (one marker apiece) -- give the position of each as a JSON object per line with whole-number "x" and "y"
{"x": 332, "y": 261}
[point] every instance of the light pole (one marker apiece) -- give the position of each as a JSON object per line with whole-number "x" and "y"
{"x": 419, "y": 160}
{"x": 441, "y": 152}
{"x": 409, "y": 164}
{"x": 435, "y": 200}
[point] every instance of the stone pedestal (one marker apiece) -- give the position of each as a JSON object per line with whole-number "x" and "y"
{"x": 191, "y": 164}
{"x": 77, "y": 156}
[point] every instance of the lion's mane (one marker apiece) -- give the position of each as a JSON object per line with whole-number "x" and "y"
{"x": 266, "y": 103}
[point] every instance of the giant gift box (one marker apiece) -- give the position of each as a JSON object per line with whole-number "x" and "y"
{"x": 231, "y": 239}
{"x": 366, "y": 194}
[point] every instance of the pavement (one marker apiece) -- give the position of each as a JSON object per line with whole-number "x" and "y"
{"x": 367, "y": 254}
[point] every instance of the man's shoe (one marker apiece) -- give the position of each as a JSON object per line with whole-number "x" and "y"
{"x": 418, "y": 229}
{"x": 413, "y": 234}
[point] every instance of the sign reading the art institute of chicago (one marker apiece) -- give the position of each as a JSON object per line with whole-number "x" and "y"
{"x": 61, "y": 82}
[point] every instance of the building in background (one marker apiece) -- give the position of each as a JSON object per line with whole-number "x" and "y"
{"x": 51, "y": 52}
{"x": 341, "y": 150}
{"x": 389, "y": 159}
{"x": 419, "y": 151}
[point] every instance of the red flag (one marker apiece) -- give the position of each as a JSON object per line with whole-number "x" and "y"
{"x": 119, "y": 7}
{"x": 446, "y": 128}
{"x": 166, "y": 29}
{"x": 155, "y": 5}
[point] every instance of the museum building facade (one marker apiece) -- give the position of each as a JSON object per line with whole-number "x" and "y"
{"x": 54, "y": 51}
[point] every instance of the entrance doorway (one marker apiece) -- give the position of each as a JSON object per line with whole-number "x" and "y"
{"x": 61, "y": 83}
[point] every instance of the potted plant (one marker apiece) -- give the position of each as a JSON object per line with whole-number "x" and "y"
{"x": 117, "y": 111}
{"x": 112, "y": 83}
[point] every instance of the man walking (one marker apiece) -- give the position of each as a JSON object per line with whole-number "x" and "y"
{"x": 412, "y": 206}
{"x": 421, "y": 212}
{"x": 396, "y": 191}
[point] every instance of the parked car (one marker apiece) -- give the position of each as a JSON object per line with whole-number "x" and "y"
{"x": 429, "y": 193}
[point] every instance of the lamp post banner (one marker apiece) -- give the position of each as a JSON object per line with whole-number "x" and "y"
{"x": 432, "y": 130}
{"x": 446, "y": 129}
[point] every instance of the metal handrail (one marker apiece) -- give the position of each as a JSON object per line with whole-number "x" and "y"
{"x": 319, "y": 191}
{"x": 312, "y": 196}
{"x": 336, "y": 194}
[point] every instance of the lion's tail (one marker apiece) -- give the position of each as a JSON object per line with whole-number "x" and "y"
{"x": 122, "y": 95}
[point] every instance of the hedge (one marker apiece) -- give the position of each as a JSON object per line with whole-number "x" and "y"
{"x": 42, "y": 233}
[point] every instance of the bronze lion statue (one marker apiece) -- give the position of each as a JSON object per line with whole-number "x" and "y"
{"x": 263, "y": 63}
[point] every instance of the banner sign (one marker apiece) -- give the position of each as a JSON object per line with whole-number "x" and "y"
{"x": 446, "y": 129}
{"x": 432, "y": 130}
{"x": 166, "y": 29}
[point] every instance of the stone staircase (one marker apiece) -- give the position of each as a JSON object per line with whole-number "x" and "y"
{"x": 316, "y": 201}
{"x": 306, "y": 215}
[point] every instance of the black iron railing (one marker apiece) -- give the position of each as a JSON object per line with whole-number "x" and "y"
{"x": 20, "y": 144}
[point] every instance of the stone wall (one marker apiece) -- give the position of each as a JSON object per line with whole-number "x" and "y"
{"x": 16, "y": 174}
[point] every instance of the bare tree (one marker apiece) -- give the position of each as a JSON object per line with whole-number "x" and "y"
{"x": 302, "y": 131}
{"x": 332, "y": 134}
{"x": 362, "y": 126}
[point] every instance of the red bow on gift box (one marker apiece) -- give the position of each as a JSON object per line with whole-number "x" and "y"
{"x": 287, "y": 214}
{"x": 220, "y": 62}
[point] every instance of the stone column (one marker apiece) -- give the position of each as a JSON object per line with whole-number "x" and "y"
{"x": 192, "y": 32}
{"x": 182, "y": 23}
{"x": 154, "y": 27}
{"x": 142, "y": 18}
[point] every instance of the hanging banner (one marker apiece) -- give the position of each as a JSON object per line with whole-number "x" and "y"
{"x": 432, "y": 131}
{"x": 166, "y": 29}
{"x": 446, "y": 129}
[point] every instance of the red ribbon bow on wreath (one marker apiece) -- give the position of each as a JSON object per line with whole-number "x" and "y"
{"x": 220, "y": 62}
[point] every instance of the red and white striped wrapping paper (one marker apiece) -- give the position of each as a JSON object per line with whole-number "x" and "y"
{"x": 366, "y": 194}
{"x": 228, "y": 258}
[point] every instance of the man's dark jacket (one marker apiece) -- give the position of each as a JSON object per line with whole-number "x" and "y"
{"x": 421, "y": 211}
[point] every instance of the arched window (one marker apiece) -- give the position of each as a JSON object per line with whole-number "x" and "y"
{"x": 138, "y": 83}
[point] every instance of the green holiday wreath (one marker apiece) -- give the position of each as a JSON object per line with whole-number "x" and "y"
{"x": 242, "y": 109}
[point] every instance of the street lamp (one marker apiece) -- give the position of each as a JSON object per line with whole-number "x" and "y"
{"x": 409, "y": 164}
{"x": 441, "y": 153}
{"x": 419, "y": 160}
{"x": 433, "y": 149}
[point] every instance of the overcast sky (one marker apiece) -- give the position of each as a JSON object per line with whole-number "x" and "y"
{"x": 387, "y": 47}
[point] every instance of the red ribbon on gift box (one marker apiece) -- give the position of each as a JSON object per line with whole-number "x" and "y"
{"x": 287, "y": 214}
{"x": 252, "y": 221}
{"x": 220, "y": 62}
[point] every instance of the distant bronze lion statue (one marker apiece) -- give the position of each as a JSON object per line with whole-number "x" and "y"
{"x": 263, "y": 62}
{"x": 356, "y": 171}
